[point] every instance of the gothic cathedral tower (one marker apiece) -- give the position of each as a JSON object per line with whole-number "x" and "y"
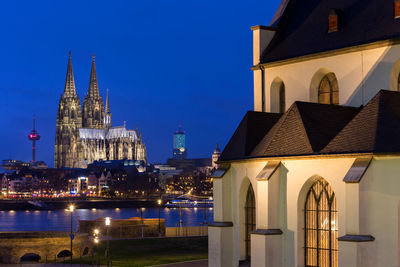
{"x": 69, "y": 119}
{"x": 93, "y": 105}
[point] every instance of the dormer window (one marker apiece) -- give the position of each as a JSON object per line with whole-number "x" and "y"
{"x": 396, "y": 9}
{"x": 333, "y": 21}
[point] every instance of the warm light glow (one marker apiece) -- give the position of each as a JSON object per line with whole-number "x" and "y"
{"x": 96, "y": 240}
{"x": 96, "y": 231}
{"x": 159, "y": 202}
{"x": 71, "y": 208}
{"x": 108, "y": 221}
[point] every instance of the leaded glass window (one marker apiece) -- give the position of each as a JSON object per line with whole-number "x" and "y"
{"x": 321, "y": 220}
{"x": 250, "y": 223}
{"x": 328, "y": 90}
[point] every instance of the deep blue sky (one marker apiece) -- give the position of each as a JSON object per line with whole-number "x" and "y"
{"x": 165, "y": 62}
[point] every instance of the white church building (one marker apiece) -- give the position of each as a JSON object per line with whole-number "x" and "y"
{"x": 311, "y": 177}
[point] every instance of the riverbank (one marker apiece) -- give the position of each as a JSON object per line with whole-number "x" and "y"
{"x": 57, "y": 204}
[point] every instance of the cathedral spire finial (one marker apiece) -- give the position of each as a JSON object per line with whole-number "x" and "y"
{"x": 69, "y": 88}
{"x": 107, "y": 103}
{"x": 93, "y": 85}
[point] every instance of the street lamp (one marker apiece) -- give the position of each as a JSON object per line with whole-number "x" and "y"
{"x": 71, "y": 209}
{"x": 108, "y": 222}
{"x": 96, "y": 233}
{"x": 159, "y": 217}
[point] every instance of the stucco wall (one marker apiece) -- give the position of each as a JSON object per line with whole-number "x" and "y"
{"x": 368, "y": 208}
{"x": 361, "y": 74}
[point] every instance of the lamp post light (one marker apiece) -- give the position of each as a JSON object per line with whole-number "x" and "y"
{"x": 96, "y": 233}
{"x": 108, "y": 222}
{"x": 71, "y": 209}
{"x": 159, "y": 217}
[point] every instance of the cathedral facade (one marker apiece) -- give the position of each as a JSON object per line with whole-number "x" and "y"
{"x": 84, "y": 134}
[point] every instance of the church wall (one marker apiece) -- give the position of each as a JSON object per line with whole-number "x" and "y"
{"x": 360, "y": 74}
{"x": 370, "y": 207}
{"x": 379, "y": 212}
{"x": 298, "y": 176}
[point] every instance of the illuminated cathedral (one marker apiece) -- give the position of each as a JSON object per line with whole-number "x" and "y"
{"x": 84, "y": 133}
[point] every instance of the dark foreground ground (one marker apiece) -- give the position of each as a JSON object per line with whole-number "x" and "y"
{"x": 148, "y": 252}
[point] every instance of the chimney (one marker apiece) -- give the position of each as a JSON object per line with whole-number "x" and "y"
{"x": 333, "y": 21}
{"x": 396, "y": 9}
{"x": 262, "y": 36}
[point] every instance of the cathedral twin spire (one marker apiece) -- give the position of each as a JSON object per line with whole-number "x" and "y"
{"x": 93, "y": 85}
{"x": 69, "y": 88}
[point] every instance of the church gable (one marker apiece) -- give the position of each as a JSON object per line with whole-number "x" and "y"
{"x": 304, "y": 129}
{"x": 375, "y": 129}
{"x": 250, "y": 131}
{"x": 303, "y": 27}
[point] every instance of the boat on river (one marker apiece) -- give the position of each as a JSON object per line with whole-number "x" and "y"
{"x": 185, "y": 202}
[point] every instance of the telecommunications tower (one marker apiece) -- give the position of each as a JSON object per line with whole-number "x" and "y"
{"x": 34, "y": 136}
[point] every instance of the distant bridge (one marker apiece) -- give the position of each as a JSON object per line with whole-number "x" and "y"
{"x": 16, "y": 247}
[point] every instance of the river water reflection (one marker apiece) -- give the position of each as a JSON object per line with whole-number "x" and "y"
{"x": 59, "y": 220}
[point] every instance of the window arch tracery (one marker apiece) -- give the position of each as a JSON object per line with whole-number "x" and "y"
{"x": 328, "y": 90}
{"x": 321, "y": 231}
{"x": 250, "y": 221}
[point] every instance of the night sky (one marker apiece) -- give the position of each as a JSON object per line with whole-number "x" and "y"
{"x": 165, "y": 62}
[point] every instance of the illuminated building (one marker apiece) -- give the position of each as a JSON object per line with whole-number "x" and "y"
{"x": 85, "y": 135}
{"x": 310, "y": 177}
{"x": 179, "y": 151}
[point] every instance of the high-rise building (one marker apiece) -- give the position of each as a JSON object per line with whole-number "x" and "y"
{"x": 85, "y": 135}
{"x": 179, "y": 152}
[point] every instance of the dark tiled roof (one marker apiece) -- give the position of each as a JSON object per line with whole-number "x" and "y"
{"x": 250, "y": 131}
{"x": 376, "y": 128}
{"x": 304, "y": 129}
{"x": 303, "y": 27}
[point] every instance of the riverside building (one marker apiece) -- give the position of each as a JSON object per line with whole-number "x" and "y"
{"x": 311, "y": 176}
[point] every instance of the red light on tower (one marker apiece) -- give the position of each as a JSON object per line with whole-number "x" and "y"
{"x": 33, "y": 136}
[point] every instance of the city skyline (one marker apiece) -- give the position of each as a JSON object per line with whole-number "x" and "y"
{"x": 130, "y": 50}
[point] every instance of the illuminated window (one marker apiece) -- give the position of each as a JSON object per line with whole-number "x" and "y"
{"x": 328, "y": 90}
{"x": 250, "y": 222}
{"x": 321, "y": 232}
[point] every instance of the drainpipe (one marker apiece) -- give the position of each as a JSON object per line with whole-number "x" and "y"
{"x": 262, "y": 88}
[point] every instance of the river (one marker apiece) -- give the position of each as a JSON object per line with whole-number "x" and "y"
{"x": 59, "y": 220}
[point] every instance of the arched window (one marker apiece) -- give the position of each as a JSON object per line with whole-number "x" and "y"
{"x": 328, "y": 90}
{"x": 97, "y": 115}
{"x": 282, "y": 101}
{"x": 250, "y": 213}
{"x": 321, "y": 220}
{"x": 72, "y": 114}
{"x": 278, "y": 96}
